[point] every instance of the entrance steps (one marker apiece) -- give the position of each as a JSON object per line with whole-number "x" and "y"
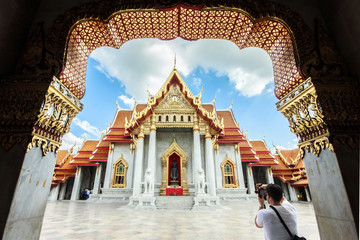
{"x": 174, "y": 202}
{"x": 112, "y": 195}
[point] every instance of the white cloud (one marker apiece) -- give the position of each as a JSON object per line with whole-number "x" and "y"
{"x": 86, "y": 126}
{"x": 69, "y": 140}
{"x": 126, "y": 100}
{"x": 146, "y": 63}
{"x": 196, "y": 82}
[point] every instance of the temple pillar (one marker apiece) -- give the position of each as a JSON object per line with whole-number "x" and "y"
{"x": 331, "y": 205}
{"x": 139, "y": 163}
{"x": 196, "y": 161}
{"x": 292, "y": 193}
{"x": 152, "y": 152}
{"x": 240, "y": 173}
{"x": 109, "y": 167}
{"x": 285, "y": 190}
{"x": 54, "y": 193}
{"x": 269, "y": 175}
{"x": 75, "y": 194}
{"x": 96, "y": 188}
{"x": 218, "y": 168}
{"x": 308, "y": 198}
{"x": 62, "y": 190}
{"x": 210, "y": 170}
{"x": 31, "y": 194}
{"x": 250, "y": 178}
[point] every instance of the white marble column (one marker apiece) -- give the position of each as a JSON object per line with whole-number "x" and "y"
{"x": 109, "y": 167}
{"x": 292, "y": 193}
{"x": 54, "y": 193}
{"x": 250, "y": 178}
{"x": 28, "y": 205}
{"x": 139, "y": 163}
{"x": 308, "y": 198}
{"x": 330, "y": 199}
{"x": 285, "y": 190}
{"x": 76, "y": 187}
{"x": 62, "y": 190}
{"x": 196, "y": 149}
{"x": 240, "y": 173}
{"x": 96, "y": 188}
{"x": 218, "y": 171}
{"x": 269, "y": 175}
{"x": 152, "y": 151}
{"x": 210, "y": 170}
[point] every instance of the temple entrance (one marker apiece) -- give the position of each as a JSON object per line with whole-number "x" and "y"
{"x": 174, "y": 174}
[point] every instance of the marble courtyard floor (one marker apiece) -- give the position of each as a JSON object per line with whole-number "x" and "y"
{"x": 88, "y": 220}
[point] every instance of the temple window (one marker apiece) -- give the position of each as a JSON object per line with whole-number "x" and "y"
{"x": 174, "y": 119}
{"x": 228, "y": 169}
{"x": 167, "y": 118}
{"x": 159, "y": 118}
{"x": 119, "y": 177}
{"x": 182, "y": 118}
{"x": 189, "y": 119}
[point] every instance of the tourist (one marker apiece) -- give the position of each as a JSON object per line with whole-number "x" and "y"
{"x": 266, "y": 217}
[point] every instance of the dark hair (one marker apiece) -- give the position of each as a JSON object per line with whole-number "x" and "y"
{"x": 274, "y": 191}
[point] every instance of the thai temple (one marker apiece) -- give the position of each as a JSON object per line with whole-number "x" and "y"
{"x": 175, "y": 145}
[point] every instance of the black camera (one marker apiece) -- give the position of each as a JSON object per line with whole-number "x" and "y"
{"x": 260, "y": 191}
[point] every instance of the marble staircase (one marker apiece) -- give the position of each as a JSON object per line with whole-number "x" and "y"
{"x": 174, "y": 202}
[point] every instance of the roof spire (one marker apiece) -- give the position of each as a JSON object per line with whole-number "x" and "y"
{"x": 213, "y": 101}
{"x": 117, "y": 104}
{"x": 232, "y": 102}
{"x": 175, "y": 62}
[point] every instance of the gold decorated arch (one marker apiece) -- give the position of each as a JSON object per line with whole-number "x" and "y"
{"x": 174, "y": 148}
{"x": 119, "y": 173}
{"x": 229, "y": 179}
{"x": 188, "y": 22}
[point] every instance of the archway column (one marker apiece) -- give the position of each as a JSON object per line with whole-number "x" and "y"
{"x": 308, "y": 198}
{"x": 109, "y": 167}
{"x": 330, "y": 170}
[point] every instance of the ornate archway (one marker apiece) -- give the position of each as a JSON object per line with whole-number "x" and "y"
{"x": 174, "y": 149}
{"x": 56, "y": 53}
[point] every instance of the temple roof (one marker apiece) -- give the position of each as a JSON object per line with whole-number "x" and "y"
{"x": 291, "y": 167}
{"x": 142, "y": 111}
{"x": 263, "y": 153}
{"x": 101, "y": 152}
{"x": 63, "y": 170}
{"x": 82, "y": 158}
{"x": 247, "y": 153}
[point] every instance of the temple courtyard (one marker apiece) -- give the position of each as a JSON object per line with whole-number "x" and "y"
{"x": 92, "y": 220}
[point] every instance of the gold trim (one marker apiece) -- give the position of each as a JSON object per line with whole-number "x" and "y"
{"x": 174, "y": 148}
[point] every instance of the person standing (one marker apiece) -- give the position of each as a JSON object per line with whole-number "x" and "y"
{"x": 266, "y": 217}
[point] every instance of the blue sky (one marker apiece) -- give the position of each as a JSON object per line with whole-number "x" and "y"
{"x": 219, "y": 67}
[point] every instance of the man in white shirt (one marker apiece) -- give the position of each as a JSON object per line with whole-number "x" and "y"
{"x": 267, "y": 218}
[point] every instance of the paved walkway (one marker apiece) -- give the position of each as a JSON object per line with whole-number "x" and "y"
{"x": 87, "y": 220}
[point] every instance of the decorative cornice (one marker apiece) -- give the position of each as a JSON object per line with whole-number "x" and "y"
{"x": 58, "y": 110}
{"x": 304, "y": 113}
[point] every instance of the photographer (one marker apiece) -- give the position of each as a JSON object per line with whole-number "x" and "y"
{"x": 267, "y": 218}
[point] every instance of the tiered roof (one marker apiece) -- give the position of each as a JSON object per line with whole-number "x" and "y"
{"x": 266, "y": 159}
{"x": 63, "y": 170}
{"x": 247, "y": 153}
{"x": 291, "y": 168}
{"x": 231, "y": 132}
{"x": 82, "y": 158}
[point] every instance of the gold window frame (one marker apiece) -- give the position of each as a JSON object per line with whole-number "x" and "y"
{"x": 228, "y": 160}
{"x": 115, "y": 165}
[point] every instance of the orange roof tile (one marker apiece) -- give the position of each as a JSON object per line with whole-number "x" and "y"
{"x": 208, "y": 107}
{"x": 119, "y": 119}
{"x": 301, "y": 183}
{"x": 61, "y": 155}
{"x": 229, "y": 121}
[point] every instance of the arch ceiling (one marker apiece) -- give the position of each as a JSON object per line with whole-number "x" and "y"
{"x": 187, "y": 22}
